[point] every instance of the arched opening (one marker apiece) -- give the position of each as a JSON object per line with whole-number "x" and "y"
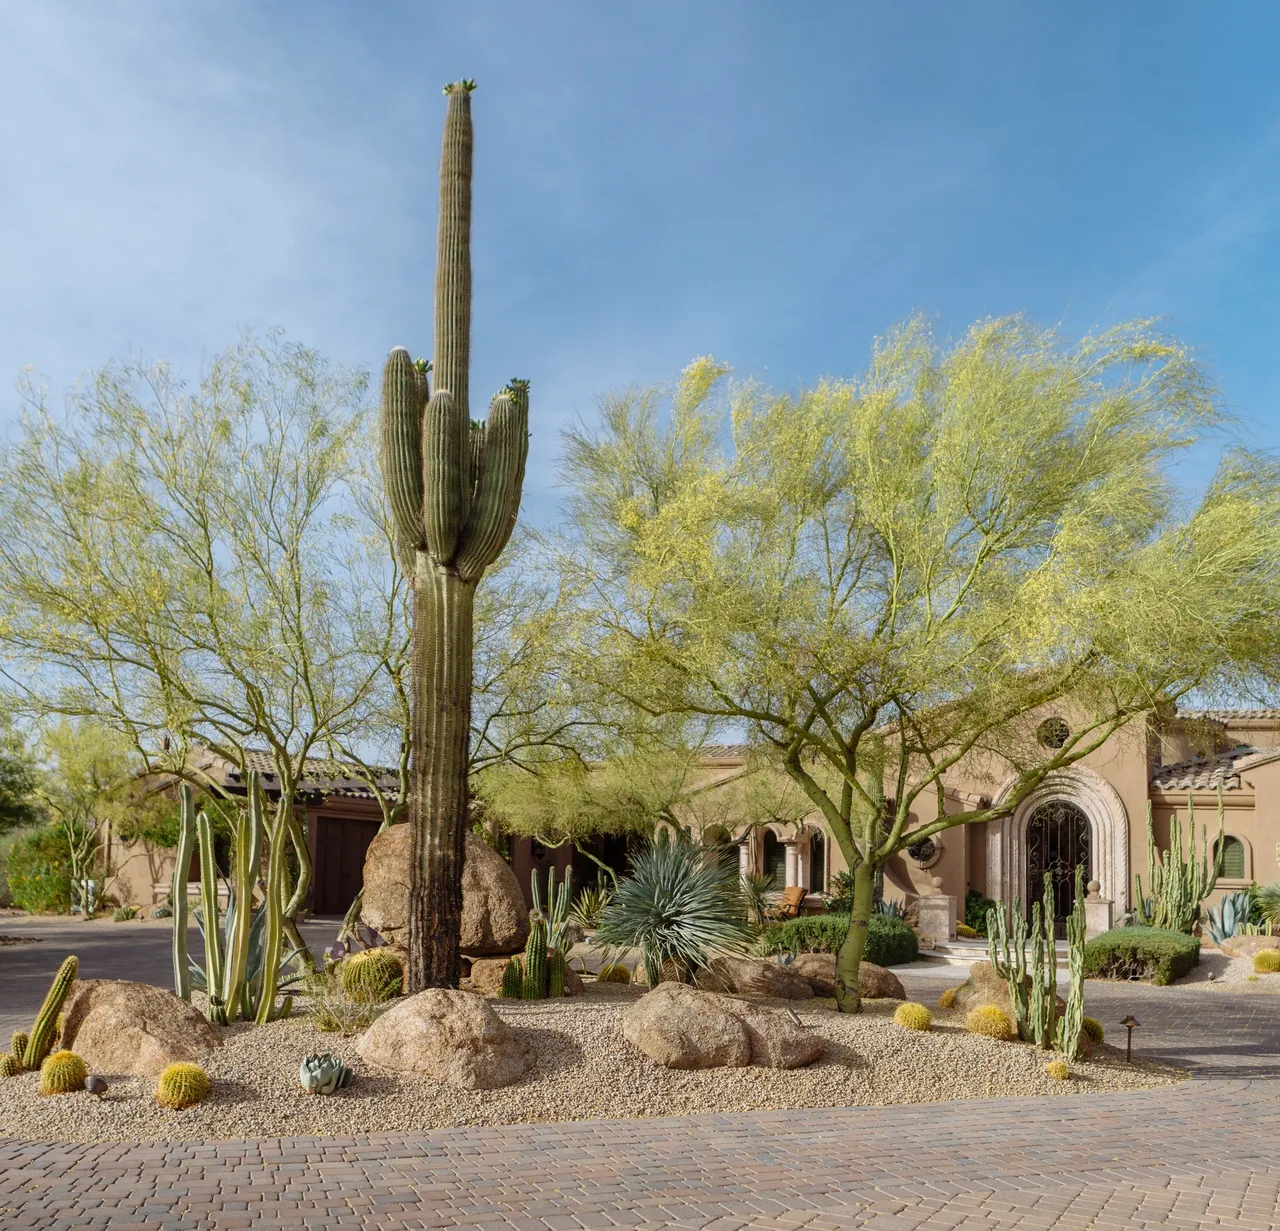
{"x": 1058, "y": 841}
{"x": 774, "y": 860}
{"x": 1233, "y": 861}
{"x": 817, "y": 862}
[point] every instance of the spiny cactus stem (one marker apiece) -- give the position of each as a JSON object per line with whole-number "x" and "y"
{"x": 212, "y": 932}
{"x": 274, "y": 906}
{"x": 441, "y": 708}
{"x": 178, "y": 890}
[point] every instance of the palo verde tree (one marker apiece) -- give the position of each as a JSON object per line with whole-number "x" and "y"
{"x": 890, "y": 577}
{"x": 453, "y": 487}
{"x": 177, "y": 564}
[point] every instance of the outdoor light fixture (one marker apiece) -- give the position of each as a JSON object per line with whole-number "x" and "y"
{"x": 1129, "y": 1023}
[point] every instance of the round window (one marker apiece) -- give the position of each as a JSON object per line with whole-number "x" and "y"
{"x": 923, "y": 852}
{"x": 1053, "y": 732}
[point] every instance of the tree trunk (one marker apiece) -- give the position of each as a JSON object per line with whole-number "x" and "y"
{"x": 848, "y": 998}
{"x": 442, "y": 648}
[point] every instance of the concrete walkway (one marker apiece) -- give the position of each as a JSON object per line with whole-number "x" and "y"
{"x": 1198, "y": 1155}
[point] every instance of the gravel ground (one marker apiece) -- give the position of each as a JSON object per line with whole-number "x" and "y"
{"x": 1231, "y": 974}
{"x": 583, "y": 1070}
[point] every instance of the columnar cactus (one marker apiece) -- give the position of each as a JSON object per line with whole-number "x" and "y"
{"x": 1179, "y": 882}
{"x": 178, "y": 890}
{"x": 512, "y": 980}
{"x": 1071, "y": 1026}
{"x": 555, "y": 974}
{"x": 42, "y": 1032}
{"x": 534, "y": 986}
{"x": 453, "y": 487}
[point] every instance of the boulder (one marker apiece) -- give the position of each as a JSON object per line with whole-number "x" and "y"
{"x": 750, "y": 976}
{"x": 119, "y": 1027}
{"x": 486, "y": 977}
{"x": 453, "y": 1037}
{"x": 494, "y": 917}
{"x": 1247, "y": 946}
{"x": 985, "y": 987}
{"x": 874, "y": 982}
{"x": 684, "y": 1028}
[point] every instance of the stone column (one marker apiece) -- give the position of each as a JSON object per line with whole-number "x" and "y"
{"x": 793, "y": 863}
{"x": 744, "y": 856}
{"x": 936, "y": 921}
{"x": 1097, "y": 912}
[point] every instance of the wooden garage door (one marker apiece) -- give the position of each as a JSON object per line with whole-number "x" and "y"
{"x": 341, "y": 843}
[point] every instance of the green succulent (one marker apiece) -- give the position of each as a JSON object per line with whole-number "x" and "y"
{"x": 323, "y": 1073}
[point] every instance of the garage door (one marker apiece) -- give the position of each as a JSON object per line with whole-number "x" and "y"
{"x": 341, "y": 843}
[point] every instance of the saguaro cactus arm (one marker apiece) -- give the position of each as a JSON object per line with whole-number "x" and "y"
{"x": 501, "y": 477}
{"x": 401, "y": 451}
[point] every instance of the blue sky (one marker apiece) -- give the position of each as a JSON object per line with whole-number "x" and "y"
{"x": 771, "y": 183}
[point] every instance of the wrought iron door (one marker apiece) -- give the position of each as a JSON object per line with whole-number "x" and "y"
{"x": 1057, "y": 842}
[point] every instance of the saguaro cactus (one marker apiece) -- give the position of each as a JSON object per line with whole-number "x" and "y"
{"x": 454, "y": 491}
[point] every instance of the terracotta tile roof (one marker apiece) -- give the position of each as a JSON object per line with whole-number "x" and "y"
{"x": 725, "y": 752}
{"x": 320, "y": 776}
{"x": 1209, "y": 773}
{"x": 1227, "y": 715}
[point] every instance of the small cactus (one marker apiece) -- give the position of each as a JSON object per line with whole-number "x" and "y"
{"x": 965, "y": 932}
{"x": 911, "y": 1016}
{"x": 534, "y": 986}
{"x": 182, "y": 1085}
{"x": 62, "y": 1073}
{"x": 372, "y": 976}
{"x": 46, "y": 1023}
{"x": 18, "y": 1044}
{"x": 1093, "y": 1028}
{"x": 615, "y": 972}
{"x": 992, "y": 1022}
{"x": 512, "y": 980}
{"x": 10, "y": 1065}
{"x": 555, "y": 974}
{"x": 1267, "y": 962}
{"x": 948, "y": 998}
{"x": 1057, "y": 1069}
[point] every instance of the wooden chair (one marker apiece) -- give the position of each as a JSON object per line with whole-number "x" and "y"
{"x": 789, "y": 904}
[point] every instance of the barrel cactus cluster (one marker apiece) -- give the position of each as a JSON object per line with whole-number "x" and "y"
{"x": 453, "y": 486}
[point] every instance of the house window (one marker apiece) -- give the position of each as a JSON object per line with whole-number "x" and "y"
{"x": 817, "y": 863}
{"x": 1232, "y": 858}
{"x": 1053, "y": 732}
{"x": 775, "y": 860}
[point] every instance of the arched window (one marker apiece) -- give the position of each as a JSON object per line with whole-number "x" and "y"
{"x": 775, "y": 860}
{"x": 817, "y": 862}
{"x": 1232, "y": 858}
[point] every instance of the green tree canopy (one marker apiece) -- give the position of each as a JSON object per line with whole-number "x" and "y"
{"x": 882, "y": 577}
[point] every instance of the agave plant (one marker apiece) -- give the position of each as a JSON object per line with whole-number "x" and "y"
{"x": 678, "y": 906}
{"x": 1229, "y": 917}
{"x": 586, "y": 910}
{"x": 294, "y": 966}
{"x": 891, "y": 910}
{"x": 323, "y": 1074}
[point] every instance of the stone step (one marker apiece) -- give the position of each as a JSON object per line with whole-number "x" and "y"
{"x": 964, "y": 952}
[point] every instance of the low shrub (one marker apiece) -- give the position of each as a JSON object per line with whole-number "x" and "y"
{"x": 992, "y": 1022}
{"x": 40, "y": 871}
{"x": 334, "y": 1011}
{"x": 1157, "y": 954}
{"x": 912, "y": 1016}
{"x": 1267, "y": 962}
{"x": 890, "y": 942}
{"x": 975, "y": 911}
{"x": 1057, "y": 1069}
{"x": 965, "y": 932}
{"x": 124, "y": 913}
{"x": 1093, "y": 1028}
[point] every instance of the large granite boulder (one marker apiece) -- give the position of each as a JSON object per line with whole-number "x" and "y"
{"x": 682, "y": 1027}
{"x": 494, "y": 916}
{"x": 874, "y": 982}
{"x": 1247, "y": 946}
{"x": 119, "y": 1027}
{"x": 986, "y": 987}
{"x": 454, "y": 1037}
{"x": 750, "y": 976}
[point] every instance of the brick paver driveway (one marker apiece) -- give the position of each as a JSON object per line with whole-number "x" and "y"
{"x": 1198, "y": 1155}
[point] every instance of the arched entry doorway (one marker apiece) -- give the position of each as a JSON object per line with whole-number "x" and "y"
{"x": 1058, "y": 841}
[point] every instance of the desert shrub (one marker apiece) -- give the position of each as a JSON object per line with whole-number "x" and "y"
{"x": 948, "y": 998}
{"x": 840, "y": 896}
{"x": 1057, "y": 1069}
{"x": 1093, "y": 1028}
{"x": 40, "y": 871}
{"x": 123, "y": 914}
{"x": 1158, "y": 954}
{"x": 1267, "y": 962}
{"x": 890, "y": 941}
{"x": 912, "y": 1016}
{"x": 336, "y": 1012}
{"x": 975, "y": 911}
{"x": 992, "y": 1022}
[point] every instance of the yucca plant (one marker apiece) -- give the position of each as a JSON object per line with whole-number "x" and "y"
{"x": 591, "y": 901}
{"x": 1267, "y": 898}
{"x": 677, "y": 906}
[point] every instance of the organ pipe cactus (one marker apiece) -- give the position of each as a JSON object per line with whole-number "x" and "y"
{"x": 1179, "y": 881}
{"x": 1071, "y": 1025}
{"x": 178, "y": 890}
{"x": 453, "y": 487}
{"x": 40, "y": 1039}
{"x": 557, "y": 911}
{"x": 534, "y": 986}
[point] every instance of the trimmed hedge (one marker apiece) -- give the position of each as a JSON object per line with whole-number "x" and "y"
{"x": 1147, "y": 953}
{"x": 890, "y": 942}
